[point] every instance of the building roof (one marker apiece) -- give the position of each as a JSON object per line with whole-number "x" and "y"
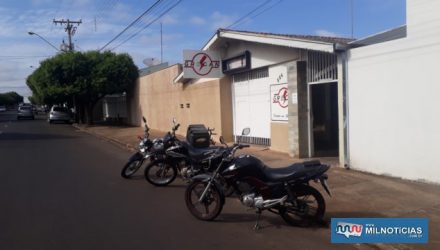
{"x": 388, "y": 35}
{"x": 325, "y": 39}
{"x": 306, "y": 42}
{"x": 152, "y": 69}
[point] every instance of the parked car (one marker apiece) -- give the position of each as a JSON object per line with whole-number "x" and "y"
{"x": 2, "y": 108}
{"x": 41, "y": 109}
{"x": 25, "y": 112}
{"x": 59, "y": 114}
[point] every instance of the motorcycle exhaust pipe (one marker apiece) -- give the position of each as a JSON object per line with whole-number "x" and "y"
{"x": 264, "y": 204}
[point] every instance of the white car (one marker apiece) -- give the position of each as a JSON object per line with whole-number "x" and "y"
{"x": 2, "y": 108}
{"x": 25, "y": 112}
{"x": 59, "y": 114}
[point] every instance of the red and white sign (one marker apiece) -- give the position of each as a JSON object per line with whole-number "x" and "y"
{"x": 280, "y": 101}
{"x": 202, "y": 64}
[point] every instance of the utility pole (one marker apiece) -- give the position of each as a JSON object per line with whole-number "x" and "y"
{"x": 161, "y": 44}
{"x": 70, "y": 29}
{"x": 352, "y": 18}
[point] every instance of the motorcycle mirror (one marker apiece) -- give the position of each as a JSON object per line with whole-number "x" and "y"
{"x": 246, "y": 131}
{"x": 143, "y": 119}
{"x": 174, "y": 120}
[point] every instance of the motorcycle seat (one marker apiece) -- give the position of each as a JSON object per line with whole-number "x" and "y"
{"x": 199, "y": 154}
{"x": 296, "y": 170}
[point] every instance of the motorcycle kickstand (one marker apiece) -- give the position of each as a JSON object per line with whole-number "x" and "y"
{"x": 257, "y": 223}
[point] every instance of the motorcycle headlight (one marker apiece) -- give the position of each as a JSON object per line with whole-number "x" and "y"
{"x": 142, "y": 150}
{"x": 158, "y": 146}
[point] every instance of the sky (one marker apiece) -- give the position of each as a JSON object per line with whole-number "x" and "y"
{"x": 189, "y": 25}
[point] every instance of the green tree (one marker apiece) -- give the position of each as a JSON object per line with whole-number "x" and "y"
{"x": 82, "y": 79}
{"x": 10, "y": 98}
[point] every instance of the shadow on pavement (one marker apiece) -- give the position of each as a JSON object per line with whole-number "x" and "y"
{"x": 351, "y": 214}
{"x": 28, "y": 136}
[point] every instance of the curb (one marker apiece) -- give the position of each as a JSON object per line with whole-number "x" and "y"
{"x": 116, "y": 142}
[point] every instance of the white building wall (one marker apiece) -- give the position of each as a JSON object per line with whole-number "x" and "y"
{"x": 394, "y": 100}
{"x": 262, "y": 54}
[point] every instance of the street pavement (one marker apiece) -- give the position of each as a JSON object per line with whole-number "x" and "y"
{"x": 354, "y": 193}
{"x": 60, "y": 188}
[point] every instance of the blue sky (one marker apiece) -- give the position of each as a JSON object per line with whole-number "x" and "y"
{"x": 188, "y": 26}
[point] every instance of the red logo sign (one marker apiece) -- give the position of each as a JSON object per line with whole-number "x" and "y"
{"x": 282, "y": 97}
{"x": 201, "y": 64}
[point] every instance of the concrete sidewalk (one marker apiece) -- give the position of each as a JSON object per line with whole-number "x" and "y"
{"x": 355, "y": 194}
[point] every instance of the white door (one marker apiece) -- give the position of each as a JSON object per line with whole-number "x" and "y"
{"x": 252, "y": 105}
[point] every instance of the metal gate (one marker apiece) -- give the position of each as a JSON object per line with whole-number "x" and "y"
{"x": 251, "y": 102}
{"x": 321, "y": 67}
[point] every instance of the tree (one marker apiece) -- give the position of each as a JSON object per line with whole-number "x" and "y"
{"x": 10, "y": 98}
{"x": 82, "y": 79}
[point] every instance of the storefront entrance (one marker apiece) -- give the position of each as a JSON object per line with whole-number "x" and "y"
{"x": 324, "y": 119}
{"x": 251, "y": 103}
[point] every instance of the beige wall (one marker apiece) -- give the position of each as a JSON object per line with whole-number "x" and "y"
{"x": 156, "y": 97}
{"x": 279, "y": 136}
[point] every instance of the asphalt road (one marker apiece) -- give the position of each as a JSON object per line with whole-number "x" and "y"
{"x": 61, "y": 189}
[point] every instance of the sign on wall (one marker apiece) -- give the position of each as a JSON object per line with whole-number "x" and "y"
{"x": 279, "y": 102}
{"x": 202, "y": 64}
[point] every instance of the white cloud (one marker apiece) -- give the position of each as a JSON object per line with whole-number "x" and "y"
{"x": 197, "y": 20}
{"x": 168, "y": 19}
{"x": 323, "y": 32}
{"x": 41, "y": 2}
{"x": 221, "y": 21}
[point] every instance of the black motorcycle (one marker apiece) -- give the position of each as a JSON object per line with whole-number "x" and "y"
{"x": 137, "y": 159}
{"x": 185, "y": 159}
{"x": 284, "y": 191}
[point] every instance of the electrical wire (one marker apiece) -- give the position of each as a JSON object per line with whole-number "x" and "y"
{"x": 147, "y": 18}
{"x": 266, "y": 9}
{"x": 131, "y": 24}
{"x": 148, "y": 24}
{"x": 249, "y": 13}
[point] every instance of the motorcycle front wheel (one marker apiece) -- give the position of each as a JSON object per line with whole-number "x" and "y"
{"x": 207, "y": 209}
{"x": 307, "y": 208}
{"x": 160, "y": 173}
{"x": 130, "y": 168}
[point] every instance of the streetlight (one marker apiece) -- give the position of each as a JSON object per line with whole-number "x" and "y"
{"x": 33, "y": 33}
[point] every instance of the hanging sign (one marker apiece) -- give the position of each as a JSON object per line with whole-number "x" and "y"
{"x": 202, "y": 64}
{"x": 279, "y": 102}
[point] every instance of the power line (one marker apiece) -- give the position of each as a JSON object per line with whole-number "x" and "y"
{"x": 145, "y": 19}
{"x": 267, "y": 9}
{"x": 249, "y": 13}
{"x": 131, "y": 24}
{"x": 148, "y": 25}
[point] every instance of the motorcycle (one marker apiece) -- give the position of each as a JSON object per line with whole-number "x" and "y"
{"x": 185, "y": 160}
{"x": 163, "y": 170}
{"x": 284, "y": 191}
{"x": 137, "y": 159}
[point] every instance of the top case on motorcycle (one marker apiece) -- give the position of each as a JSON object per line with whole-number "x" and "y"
{"x": 198, "y": 136}
{"x": 294, "y": 171}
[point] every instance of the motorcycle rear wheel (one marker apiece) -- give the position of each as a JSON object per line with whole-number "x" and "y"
{"x": 308, "y": 207}
{"x": 160, "y": 173}
{"x": 130, "y": 168}
{"x": 210, "y": 207}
